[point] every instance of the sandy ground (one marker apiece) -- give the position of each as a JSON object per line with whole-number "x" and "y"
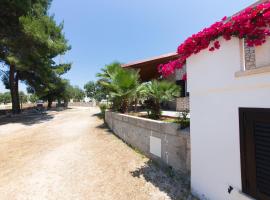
{"x": 70, "y": 155}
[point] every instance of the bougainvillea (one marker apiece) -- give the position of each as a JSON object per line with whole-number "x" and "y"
{"x": 252, "y": 24}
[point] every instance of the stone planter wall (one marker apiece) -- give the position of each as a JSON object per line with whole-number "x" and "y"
{"x": 161, "y": 141}
{"x": 182, "y": 104}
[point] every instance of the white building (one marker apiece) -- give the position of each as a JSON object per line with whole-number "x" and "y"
{"x": 230, "y": 146}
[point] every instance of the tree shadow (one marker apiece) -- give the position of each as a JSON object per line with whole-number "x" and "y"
{"x": 175, "y": 185}
{"x": 103, "y": 125}
{"x": 27, "y": 119}
{"x": 98, "y": 115}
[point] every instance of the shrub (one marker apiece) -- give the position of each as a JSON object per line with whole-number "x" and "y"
{"x": 158, "y": 92}
{"x": 103, "y": 107}
{"x": 122, "y": 85}
{"x": 184, "y": 120}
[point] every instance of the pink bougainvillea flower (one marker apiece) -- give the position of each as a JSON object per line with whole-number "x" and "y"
{"x": 184, "y": 78}
{"x": 224, "y": 18}
{"x": 252, "y": 24}
{"x": 217, "y": 44}
{"x": 212, "y": 49}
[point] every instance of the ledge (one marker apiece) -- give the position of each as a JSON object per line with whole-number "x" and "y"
{"x": 150, "y": 124}
{"x": 250, "y": 72}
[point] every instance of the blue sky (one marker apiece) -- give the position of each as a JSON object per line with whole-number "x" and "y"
{"x": 102, "y": 31}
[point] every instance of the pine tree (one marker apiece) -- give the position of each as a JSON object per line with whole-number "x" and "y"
{"x": 29, "y": 42}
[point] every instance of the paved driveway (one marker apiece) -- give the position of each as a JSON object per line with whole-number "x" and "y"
{"x": 69, "y": 155}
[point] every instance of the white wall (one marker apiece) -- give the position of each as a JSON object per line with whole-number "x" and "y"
{"x": 263, "y": 54}
{"x": 215, "y": 96}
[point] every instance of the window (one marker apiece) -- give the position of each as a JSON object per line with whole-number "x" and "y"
{"x": 255, "y": 152}
{"x": 179, "y": 73}
{"x": 183, "y": 85}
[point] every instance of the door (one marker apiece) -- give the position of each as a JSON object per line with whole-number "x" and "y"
{"x": 255, "y": 152}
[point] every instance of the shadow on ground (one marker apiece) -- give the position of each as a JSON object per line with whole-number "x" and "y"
{"x": 27, "y": 119}
{"x": 31, "y": 117}
{"x": 99, "y": 115}
{"x": 103, "y": 125}
{"x": 176, "y": 186}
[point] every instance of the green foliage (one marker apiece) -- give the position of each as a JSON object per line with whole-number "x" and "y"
{"x": 90, "y": 89}
{"x": 108, "y": 71}
{"x": 33, "y": 98}
{"x": 157, "y": 92}
{"x": 23, "y": 97}
{"x": 30, "y": 40}
{"x": 103, "y": 107}
{"x": 153, "y": 110}
{"x": 125, "y": 90}
{"x": 122, "y": 85}
{"x": 76, "y": 93}
{"x": 184, "y": 120}
{"x": 66, "y": 91}
{"x": 95, "y": 90}
{"x": 5, "y": 98}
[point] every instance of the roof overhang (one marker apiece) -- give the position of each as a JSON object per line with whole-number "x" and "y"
{"x": 149, "y": 67}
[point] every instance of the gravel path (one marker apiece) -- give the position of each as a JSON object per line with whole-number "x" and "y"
{"x": 69, "y": 155}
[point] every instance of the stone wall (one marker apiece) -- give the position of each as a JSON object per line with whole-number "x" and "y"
{"x": 182, "y": 104}
{"x": 161, "y": 141}
{"x": 250, "y": 57}
{"x": 256, "y": 57}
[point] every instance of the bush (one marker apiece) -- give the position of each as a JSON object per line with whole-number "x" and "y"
{"x": 122, "y": 85}
{"x": 184, "y": 120}
{"x": 157, "y": 92}
{"x": 151, "y": 110}
{"x": 103, "y": 107}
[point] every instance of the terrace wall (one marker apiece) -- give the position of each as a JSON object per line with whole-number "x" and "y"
{"x": 161, "y": 141}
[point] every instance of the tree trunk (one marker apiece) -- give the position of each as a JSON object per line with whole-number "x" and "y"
{"x": 14, "y": 90}
{"x": 65, "y": 103}
{"x": 124, "y": 106}
{"x": 157, "y": 110}
{"x": 50, "y": 103}
{"x": 58, "y": 102}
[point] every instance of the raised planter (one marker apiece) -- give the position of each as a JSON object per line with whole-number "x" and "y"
{"x": 161, "y": 141}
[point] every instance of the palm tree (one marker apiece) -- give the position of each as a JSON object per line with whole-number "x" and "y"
{"x": 121, "y": 83}
{"x": 108, "y": 71}
{"x": 158, "y": 92}
{"x": 139, "y": 94}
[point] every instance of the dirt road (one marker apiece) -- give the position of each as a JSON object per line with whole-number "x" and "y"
{"x": 69, "y": 155}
